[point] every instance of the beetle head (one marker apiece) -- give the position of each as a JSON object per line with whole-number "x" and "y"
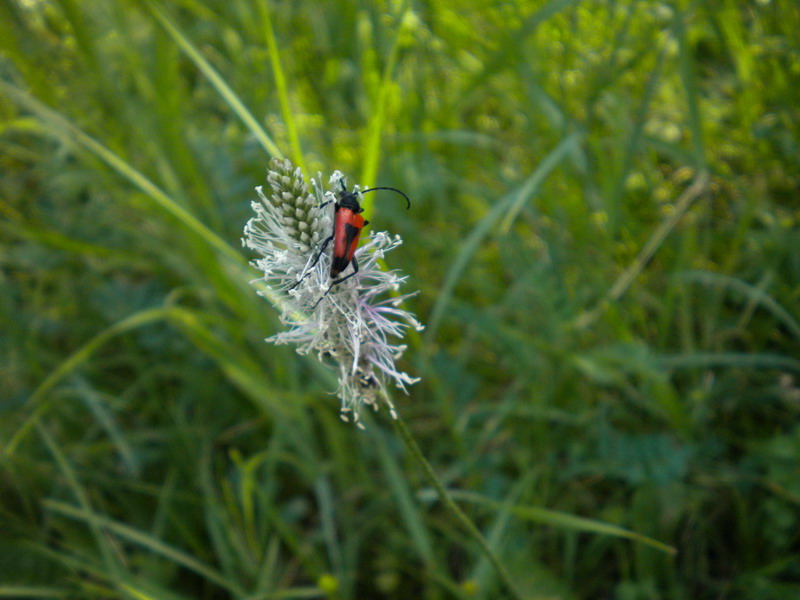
{"x": 350, "y": 201}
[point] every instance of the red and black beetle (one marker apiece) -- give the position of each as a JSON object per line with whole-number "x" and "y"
{"x": 347, "y": 226}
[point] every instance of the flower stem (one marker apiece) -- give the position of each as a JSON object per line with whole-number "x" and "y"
{"x": 448, "y": 501}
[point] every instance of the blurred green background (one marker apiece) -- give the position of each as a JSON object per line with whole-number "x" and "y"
{"x": 605, "y": 233}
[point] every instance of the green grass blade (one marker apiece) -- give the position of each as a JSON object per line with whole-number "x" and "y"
{"x": 19, "y": 591}
{"x": 753, "y": 294}
{"x": 626, "y": 279}
{"x": 471, "y": 244}
{"x": 509, "y": 51}
{"x": 96, "y": 404}
{"x": 565, "y": 521}
{"x": 534, "y": 182}
{"x": 689, "y": 78}
{"x": 706, "y": 360}
{"x": 402, "y": 495}
{"x": 282, "y": 87}
{"x": 238, "y": 366}
{"x": 13, "y": 37}
{"x": 55, "y": 240}
{"x": 497, "y": 532}
{"x": 228, "y": 95}
{"x": 62, "y": 125}
{"x": 85, "y": 41}
{"x": 137, "y": 594}
{"x": 615, "y": 199}
{"x": 144, "y": 540}
{"x": 297, "y": 593}
{"x": 94, "y": 578}
{"x": 109, "y": 559}
{"x": 37, "y": 401}
{"x": 372, "y": 143}
{"x": 324, "y": 493}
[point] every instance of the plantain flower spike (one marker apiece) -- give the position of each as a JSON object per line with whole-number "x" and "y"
{"x": 354, "y": 326}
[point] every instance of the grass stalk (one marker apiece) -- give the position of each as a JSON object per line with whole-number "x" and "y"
{"x": 450, "y": 504}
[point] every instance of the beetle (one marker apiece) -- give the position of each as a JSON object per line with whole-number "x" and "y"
{"x": 347, "y": 226}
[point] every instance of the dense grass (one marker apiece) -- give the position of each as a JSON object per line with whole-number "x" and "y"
{"x": 605, "y": 231}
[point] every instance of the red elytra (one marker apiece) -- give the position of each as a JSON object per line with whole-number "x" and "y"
{"x": 347, "y": 228}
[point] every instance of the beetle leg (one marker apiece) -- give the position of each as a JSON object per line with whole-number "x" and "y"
{"x": 316, "y": 260}
{"x": 321, "y": 250}
{"x": 346, "y": 277}
{"x": 354, "y": 262}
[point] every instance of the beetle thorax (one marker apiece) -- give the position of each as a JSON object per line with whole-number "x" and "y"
{"x": 349, "y": 200}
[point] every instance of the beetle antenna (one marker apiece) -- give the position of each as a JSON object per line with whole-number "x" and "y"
{"x": 408, "y": 202}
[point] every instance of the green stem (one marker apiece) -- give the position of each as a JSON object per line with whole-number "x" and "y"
{"x": 448, "y": 501}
